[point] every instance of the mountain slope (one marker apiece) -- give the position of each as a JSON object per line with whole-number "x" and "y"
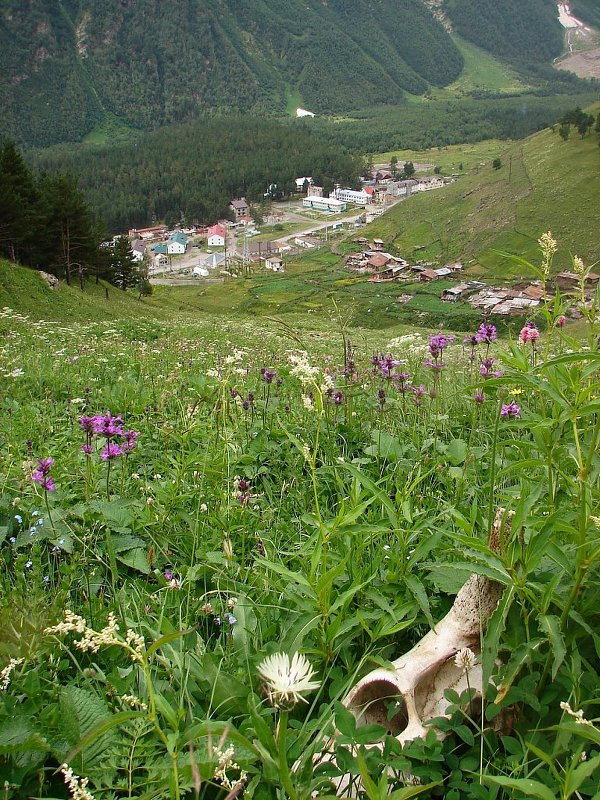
{"x": 67, "y": 66}
{"x": 544, "y": 183}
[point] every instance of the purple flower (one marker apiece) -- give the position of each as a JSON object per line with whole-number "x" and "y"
{"x": 130, "y": 439}
{"x": 511, "y": 411}
{"x": 268, "y": 375}
{"x": 168, "y": 575}
{"x": 381, "y": 397}
{"x": 486, "y": 333}
{"x": 87, "y": 449}
{"x": 44, "y": 465}
{"x": 87, "y": 423}
{"x": 479, "y": 397}
{"x": 338, "y": 398}
{"x": 438, "y": 342}
{"x": 418, "y": 392}
{"x": 107, "y": 425}
{"x": 42, "y": 475}
{"x": 111, "y": 451}
{"x": 471, "y": 339}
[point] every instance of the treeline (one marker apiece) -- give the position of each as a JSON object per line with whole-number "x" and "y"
{"x": 46, "y": 223}
{"x": 437, "y": 124}
{"x": 510, "y": 29}
{"x": 193, "y": 171}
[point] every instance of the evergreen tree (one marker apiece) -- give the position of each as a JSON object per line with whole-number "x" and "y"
{"x": 125, "y": 269}
{"x": 18, "y": 200}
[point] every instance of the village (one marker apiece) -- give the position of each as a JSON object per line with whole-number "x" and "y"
{"x": 237, "y": 246}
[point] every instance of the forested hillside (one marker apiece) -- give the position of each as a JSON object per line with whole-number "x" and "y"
{"x": 521, "y": 32}
{"x": 68, "y": 67}
{"x": 198, "y": 167}
{"x": 64, "y": 66}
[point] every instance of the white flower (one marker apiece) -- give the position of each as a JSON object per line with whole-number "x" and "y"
{"x": 465, "y": 659}
{"x": 285, "y": 680}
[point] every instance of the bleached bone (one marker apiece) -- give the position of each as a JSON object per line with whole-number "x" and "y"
{"x": 420, "y": 677}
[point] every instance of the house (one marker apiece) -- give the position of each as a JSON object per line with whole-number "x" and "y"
{"x": 430, "y": 182}
{"x": 392, "y": 272}
{"x": 459, "y": 291}
{"x": 378, "y": 261}
{"x": 378, "y": 244}
{"x": 316, "y": 191}
{"x": 160, "y": 249}
{"x": 274, "y": 263}
{"x": 301, "y": 182}
{"x": 138, "y": 248}
{"x": 428, "y": 275}
{"x": 566, "y": 281}
{"x": 200, "y": 272}
{"x": 307, "y": 244}
{"x": 148, "y": 233}
{"x": 443, "y": 272}
{"x": 214, "y": 260}
{"x": 160, "y": 260}
{"x": 454, "y": 266}
{"x": 177, "y": 244}
{"x": 216, "y": 236}
{"x": 240, "y": 207}
{"x": 328, "y": 204}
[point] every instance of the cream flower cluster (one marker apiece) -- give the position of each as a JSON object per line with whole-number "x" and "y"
{"x": 302, "y": 369}
{"x": 77, "y": 786}
{"x": 92, "y": 640}
{"x": 227, "y": 764}
{"x": 7, "y": 671}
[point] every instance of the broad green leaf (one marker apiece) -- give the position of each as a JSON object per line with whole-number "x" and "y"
{"x": 413, "y": 791}
{"x": 168, "y": 637}
{"x": 550, "y": 625}
{"x": 456, "y": 451}
{"x": 519, "y": 658}
{"x": 101, "y": 728}
{"x": 495, "y": 629}
{"x": 580, "y": 773}
{"x": 526, "y": 786}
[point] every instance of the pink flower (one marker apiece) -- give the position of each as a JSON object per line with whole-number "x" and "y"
{"x": 561, "y": 321}
{"x": 529, "y": 333}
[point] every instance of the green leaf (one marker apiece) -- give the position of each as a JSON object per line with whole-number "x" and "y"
{"x": 83, "y": 711}
{"x": 579, "y": 774}
{"x": 527, "y": 786}
{"x": 550, "y": 625}
{"x": 100, "y": 729}
{"x": 369, "y": 784}
{"x": 418, "y": 591}
{"x": 168, "y": 637}
{"x": 456, "y": 451}
{"x": 345, "y": 721}
{"x": 495, "y": 629}
{"x": 18, "y": 736}
{"x": 519, "y": 658}
{"x": 136, "y": 559}
{"x": 413, "y": 791}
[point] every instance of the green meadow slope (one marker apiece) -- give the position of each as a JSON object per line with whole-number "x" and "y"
{"x": 544, "y": 183}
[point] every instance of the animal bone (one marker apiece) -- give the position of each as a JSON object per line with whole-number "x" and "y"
{"x": 420, "y": 677}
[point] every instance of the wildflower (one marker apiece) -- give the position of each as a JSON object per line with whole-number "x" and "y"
{"x": 12, "y": 540}
{"x": 529, "y": 333}
{"x": 479, "y": 397}
{"x": 87, "y": 449}
{"x": 561, "y": 321}
{"x": 107, "y": 425}
{"x": 110, "y": 451}
{"x": 381, "y": 397}
{"x": 203, "y": 508}
{"x": 579, "y": 267}
{"x": 465, "y": 659}
{"x": 29, "y": 564}
{"x": 302, "y": 369}
{"x": 225, "y": 764}
{"x": 19, "y": 518}
{"x": 511, "y": 411}
{"x": 168, "y": 575}
{"x": 207, "y": 608}
{"x": 174, "y": 584}
{"x": 338, "y": 398}
{"x": 286, "y": 680}
{"x": 230, "y": 619}
{"x": 7, "y": 671}
{"x": 307, "y": 402}
{"x": 133, "y": 702}
{"x": 268, "y": 375}
{"x": 41, "y": 474}
{"x": 418, "y": 392}
{"x": 130, "y": 440}
{"x": 77, "y": 786}
{"x": 578, "y": 715}
{"x": 486, "y": 333}
{"x": 548, "y": 246}
{"x": 231, "y": 603}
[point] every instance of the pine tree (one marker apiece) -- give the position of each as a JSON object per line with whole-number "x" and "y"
{"x": 125, "y": 269}
{"x": 18, "y": 198}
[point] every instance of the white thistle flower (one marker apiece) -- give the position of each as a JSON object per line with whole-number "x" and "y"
{"x": 285, "y": 680}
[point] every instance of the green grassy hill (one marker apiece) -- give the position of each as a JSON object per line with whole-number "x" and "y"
{"x": 544, "y": 183}
{"x": 24, "y": 291}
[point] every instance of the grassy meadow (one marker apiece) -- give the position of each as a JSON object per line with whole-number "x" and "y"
{"x": 188, "y": 489}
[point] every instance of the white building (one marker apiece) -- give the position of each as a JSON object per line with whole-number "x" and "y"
{"x": 216, "y": 236}
{"x": 329, "y": 204}
{"x": 359, "y": 198}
